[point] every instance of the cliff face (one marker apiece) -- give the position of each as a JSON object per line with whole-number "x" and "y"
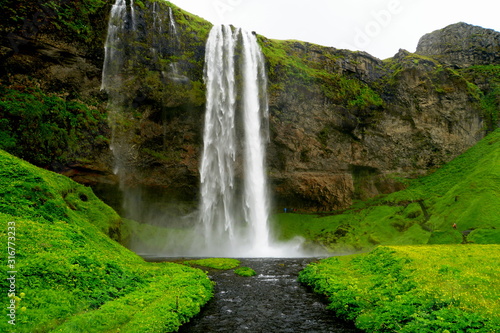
{"x": 358, "y": 123}
{"x": 344, "y": 125}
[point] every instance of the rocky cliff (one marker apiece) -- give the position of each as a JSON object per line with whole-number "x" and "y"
{"x": 344, "y": 125}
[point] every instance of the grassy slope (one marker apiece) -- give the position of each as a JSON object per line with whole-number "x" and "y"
{"x": 466, "y": 191}
{"x": 439, "y": 288}
{"x": 72, "y": 277}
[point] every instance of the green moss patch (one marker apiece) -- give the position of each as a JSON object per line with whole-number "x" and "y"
{"x": 290, "y": 65}
{"x": 216, "y": 263}
{"x": 245, "y": 271}
{"x": 45, "y": 128}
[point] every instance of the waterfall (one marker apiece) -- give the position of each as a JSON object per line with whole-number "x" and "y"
{"x": 172, "y": 24}
{"x": 113, "y": 48}
{"x": 133, "y": 16}
{"x": 233, "y": 212}
{"x": 219, "y": 151}
{"x": 234, "y": 205}
{"x": 121, "y": 27}
{"x": 254, "y": 110}
{"x": 157, "y": 38}
{"x": 175, "y": 45}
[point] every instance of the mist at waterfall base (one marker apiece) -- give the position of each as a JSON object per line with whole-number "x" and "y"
{"x": 231, "y": 215}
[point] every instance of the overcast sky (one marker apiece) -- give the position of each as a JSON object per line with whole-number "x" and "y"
{"x": 379, "y": 27}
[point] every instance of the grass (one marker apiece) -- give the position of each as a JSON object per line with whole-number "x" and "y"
{"x": 71, "y": 276}
{"x": 439, "y": 288}
{"x": 245, "y": 271}
{"x": 223, "y": 264}
{"x": 423, "y": 213}
{"x": 216, "y": 263}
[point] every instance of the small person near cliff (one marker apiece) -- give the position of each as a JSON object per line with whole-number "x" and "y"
{"x": 454, "y": 225}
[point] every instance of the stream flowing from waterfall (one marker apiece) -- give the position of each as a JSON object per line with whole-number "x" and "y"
{"x": 271, "y": 301}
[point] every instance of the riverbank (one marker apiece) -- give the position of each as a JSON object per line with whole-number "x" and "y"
{"x": 438, "y": 288}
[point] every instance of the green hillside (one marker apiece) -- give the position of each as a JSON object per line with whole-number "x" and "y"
{"x": 70, "y": 276}
{"x": 466, "y": 191}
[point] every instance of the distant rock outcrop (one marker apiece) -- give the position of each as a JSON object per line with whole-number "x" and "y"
{"x": 462, "y": 45}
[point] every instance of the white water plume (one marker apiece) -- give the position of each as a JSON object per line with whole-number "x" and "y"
{"x": 217, "y": 170}
{"x": 234, "y": 210}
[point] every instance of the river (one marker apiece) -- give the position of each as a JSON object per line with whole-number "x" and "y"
{"x": 271, "y": 301}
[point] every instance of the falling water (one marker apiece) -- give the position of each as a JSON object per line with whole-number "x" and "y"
{"x": 133, "y": 17}
{"x": 121, "y": 27}
{"x": 174, "y": 45}
{"x": 113, "y": 48}
{"x": 172, "y": 24}
{"x": 234, "y": 206}
{"x": 157, "y": 29}
{"x": 218, "y": 191}
{"x": 256, "y": 201}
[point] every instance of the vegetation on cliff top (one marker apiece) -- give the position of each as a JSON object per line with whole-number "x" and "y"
{"x": 303, "y": 67}
{"x": 463, "y": 192}
{"x": 446, "y": 288}
{"x": 71, "y": 276}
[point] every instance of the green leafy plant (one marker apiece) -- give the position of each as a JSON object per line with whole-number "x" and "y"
{"x": 44, "y": 128}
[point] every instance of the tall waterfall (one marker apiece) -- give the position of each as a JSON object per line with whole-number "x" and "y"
{"x": 234, "y": 199}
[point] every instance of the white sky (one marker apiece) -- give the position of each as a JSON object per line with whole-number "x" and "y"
{"x": 379, "y": 27}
